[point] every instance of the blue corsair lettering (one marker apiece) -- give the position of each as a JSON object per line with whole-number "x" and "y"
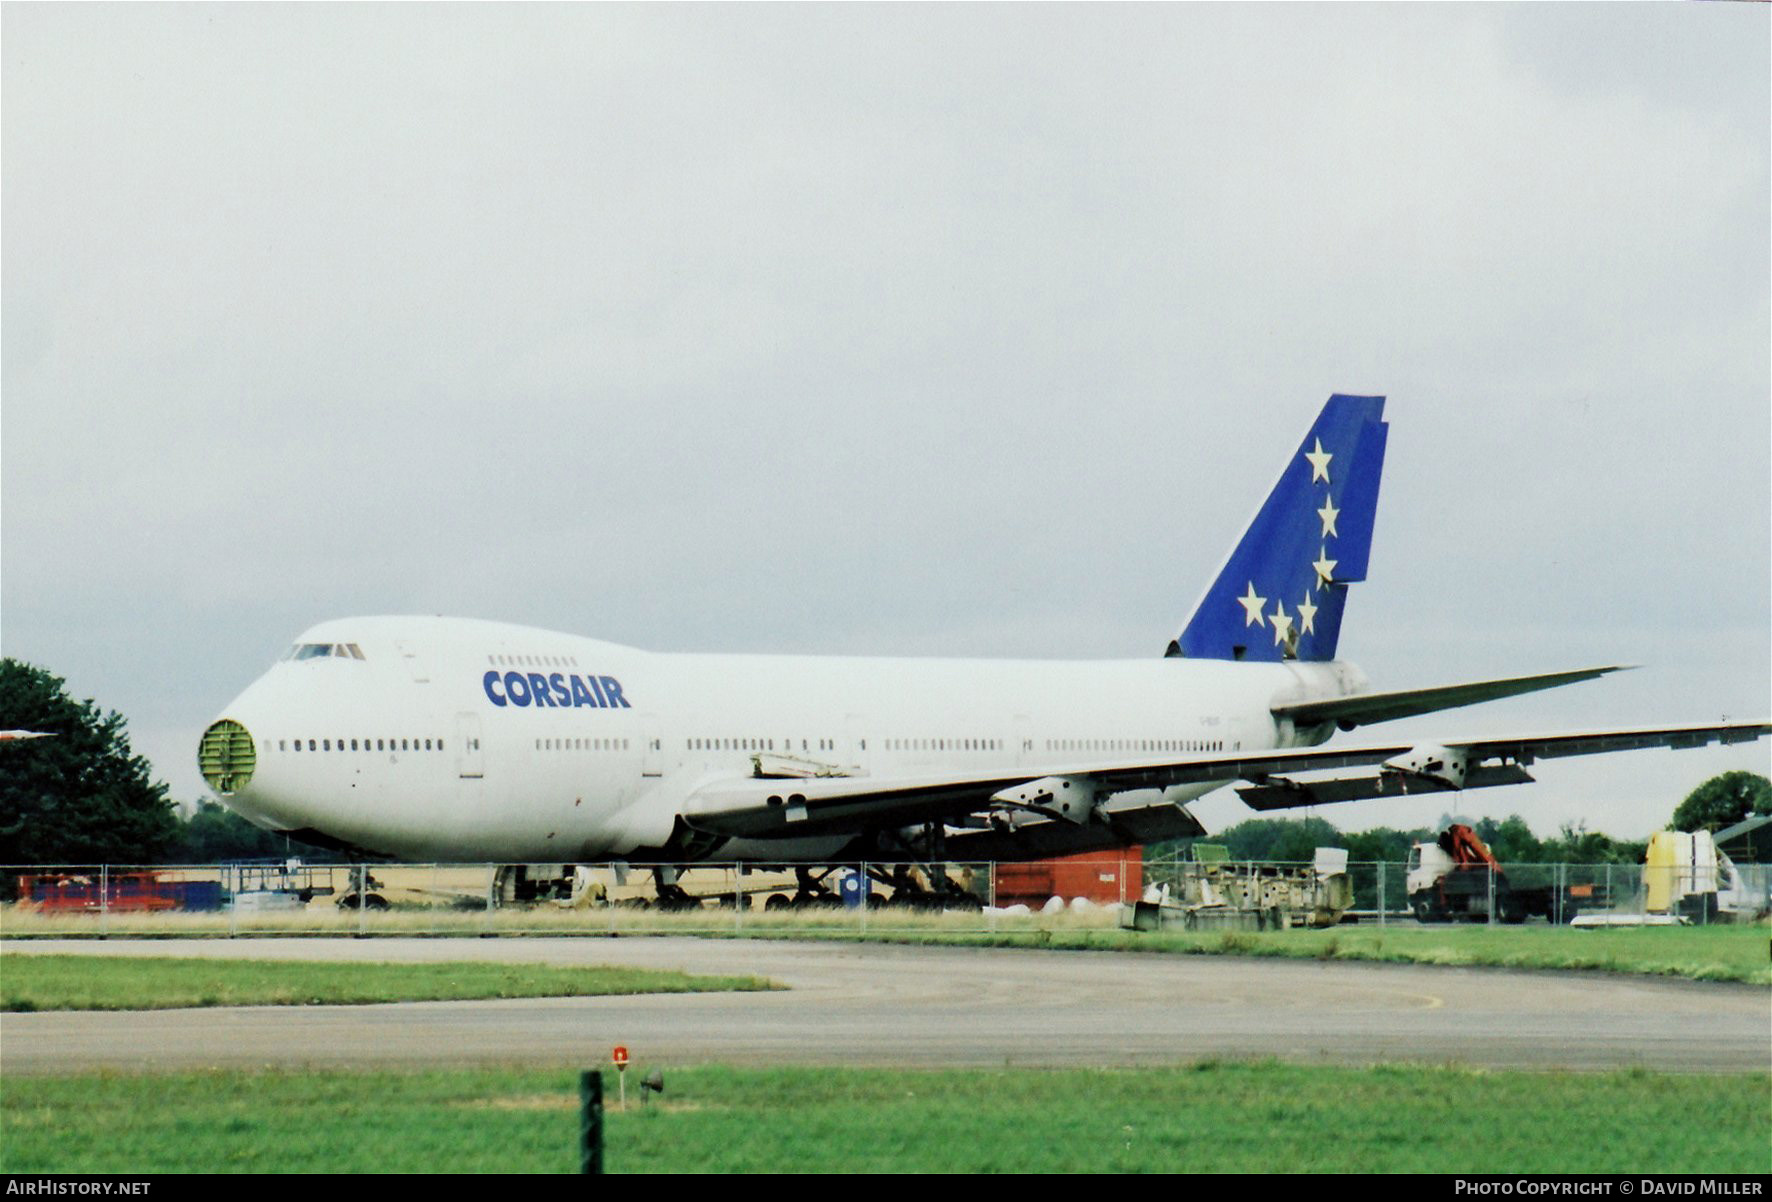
{"x": 538, "y": 689}
{"x": 488, "y": 682}
{"x": 560, "y": 690}
{"x": 612, "y": 690}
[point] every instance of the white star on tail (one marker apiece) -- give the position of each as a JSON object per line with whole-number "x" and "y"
{"x": 1282, "y": 623}
{"x": 1329, "y": 513}
{"x": 1307, "y": 615}
{"x": 1325, "y": 567}
{"x": 1319, "y": 463}
{"x": 1252, "y": 607}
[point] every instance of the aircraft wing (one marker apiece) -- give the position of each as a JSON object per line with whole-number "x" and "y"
{"x": 1084, "y": 795}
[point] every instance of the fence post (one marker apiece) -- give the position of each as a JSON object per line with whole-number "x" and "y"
{"x": 1383, "y": 896}
{"x": 615, "y": 881}
{"x": 1491, "y": 873}
{"x": 590, "y": 1121}
{"x": 738, "y": 898}
{"x": 104, "y": 898}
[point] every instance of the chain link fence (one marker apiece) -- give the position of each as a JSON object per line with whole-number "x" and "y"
{"x": 298, "y": 898}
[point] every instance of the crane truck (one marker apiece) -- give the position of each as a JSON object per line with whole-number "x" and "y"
{"x": 1455, "y": 878}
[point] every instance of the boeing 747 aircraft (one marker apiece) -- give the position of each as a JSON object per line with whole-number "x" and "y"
{"x": 451, "y": 739}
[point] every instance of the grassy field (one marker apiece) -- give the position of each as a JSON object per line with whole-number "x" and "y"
{"x": 1715, "y": 953}
{"x": 1719, "y": 953}
{"x": 1212, "y": 1117}
{"x": 34, "y": 982}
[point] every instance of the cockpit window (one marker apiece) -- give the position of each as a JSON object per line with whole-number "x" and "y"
{"x": 325, "y": 650}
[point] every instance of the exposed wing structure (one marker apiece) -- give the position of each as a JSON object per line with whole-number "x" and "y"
{"x": 1098, "y": 805}
{"x": 1362, "y": 708}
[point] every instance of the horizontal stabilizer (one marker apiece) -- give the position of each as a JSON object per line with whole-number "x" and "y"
{"x": 1363, "y": 708}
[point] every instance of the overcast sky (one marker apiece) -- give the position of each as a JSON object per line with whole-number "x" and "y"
{"x": 958, "y": 330}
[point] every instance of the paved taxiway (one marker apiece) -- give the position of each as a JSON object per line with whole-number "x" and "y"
{"x": 891, "y": 1005}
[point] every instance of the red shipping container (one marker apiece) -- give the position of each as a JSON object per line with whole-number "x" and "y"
{"x": 1100, "y": 876}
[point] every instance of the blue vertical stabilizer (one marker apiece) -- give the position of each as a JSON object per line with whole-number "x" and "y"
{"x": 1281, "y": 592}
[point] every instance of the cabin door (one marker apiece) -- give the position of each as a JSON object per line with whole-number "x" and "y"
{"x": 468, "y": 759}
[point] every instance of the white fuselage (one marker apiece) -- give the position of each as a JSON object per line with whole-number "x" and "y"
{"x": 453, "y": 739}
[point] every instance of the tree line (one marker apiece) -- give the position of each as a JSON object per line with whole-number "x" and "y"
{"x": 1510, "y": 840}
{"x": 1719, "y": 802}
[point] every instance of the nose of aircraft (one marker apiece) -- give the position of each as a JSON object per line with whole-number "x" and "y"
{"x": 232, "y": 759}
{"x": 226, "y": 757}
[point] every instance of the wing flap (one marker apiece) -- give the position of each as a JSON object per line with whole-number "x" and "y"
{"x": 1285, "y": 793}
{"x": 1525, "y": 750}
{"x": 1148, "y": 819}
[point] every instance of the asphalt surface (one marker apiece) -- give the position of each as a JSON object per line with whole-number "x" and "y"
{"x": 879, "y": 1004}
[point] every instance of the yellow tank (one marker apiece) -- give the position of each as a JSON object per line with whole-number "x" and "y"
{"x": 1678, "y": 866}
{"x": 1658, "y": 870}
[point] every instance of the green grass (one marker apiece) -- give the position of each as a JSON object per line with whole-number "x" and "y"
{"x": 1212, "y": 1117}
{"x": 1724, "y": 952}
{"x": 33, "y": 982}
{"x": 1715, "y": 953}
